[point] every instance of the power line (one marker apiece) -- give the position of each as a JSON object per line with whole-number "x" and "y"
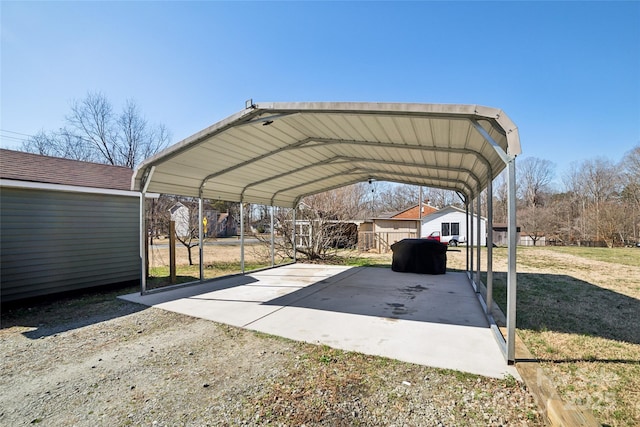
{"x": 17, "y": 133}
{"x": 13, "y": 137}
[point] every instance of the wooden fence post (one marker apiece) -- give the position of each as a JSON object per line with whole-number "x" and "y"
{"x": 172, "y": 252}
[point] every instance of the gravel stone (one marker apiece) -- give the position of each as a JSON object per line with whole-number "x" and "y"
{"x": 165, "y": 369}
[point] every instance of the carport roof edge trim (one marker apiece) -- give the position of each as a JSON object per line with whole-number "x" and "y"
{"x": 499, "y": 123}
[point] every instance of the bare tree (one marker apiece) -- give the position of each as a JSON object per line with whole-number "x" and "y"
{"x": 534, "y": 178}
{"x": 95, "y": 133}
{"x": 323, "y": 223}
{"x": 631, "y": 191}
{"x": 594, "y": 183}
{"x": 537, "y": 222}
{"x": 397, "y": 197}
{"x": 439, "y": 197}
{"x": 575, "y": 190}
{"x": 59, "y": 144}
{"x": 136, "y": 140}
{"x": 631, "y": 164}
{"x": 92, "y": 120}
{"x": 501, "y": 199}
{"x": 563, "y": 210}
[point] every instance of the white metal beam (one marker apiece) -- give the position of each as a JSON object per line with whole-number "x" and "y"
{"x": 511, "y": 270}
{"x": 242, "y": 237}
{"x": 201, "y": 237}
{"x": 489, "y": 300}
{"x": 273, "y": 259}
{"x": 479, "y": 238}
{"x": 143, "y": 246}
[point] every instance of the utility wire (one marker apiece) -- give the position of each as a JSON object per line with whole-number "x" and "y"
{"x": 12, "y": 136}
{"x": 17, "y": 133}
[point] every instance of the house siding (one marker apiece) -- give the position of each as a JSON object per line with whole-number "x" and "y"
{"x": 56, "y": 241}
{"x": 434, "y": 222}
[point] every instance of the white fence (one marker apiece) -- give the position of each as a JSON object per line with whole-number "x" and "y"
{"x": 381, "y": 241}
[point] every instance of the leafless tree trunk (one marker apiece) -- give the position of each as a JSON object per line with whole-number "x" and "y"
{"x": 59, "y": 144}
{"x": 534, "y": 177}
{"x": 631, "y": 191}
{"x": 92, "y": 119}
{"x": 94, "y": 133}
{"x": 501, "y": 199}
{"x": 322, "y": 223}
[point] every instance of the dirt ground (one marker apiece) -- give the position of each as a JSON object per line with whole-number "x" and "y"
{"x": 95, "y": 360}
{"x": 222, "y": 250}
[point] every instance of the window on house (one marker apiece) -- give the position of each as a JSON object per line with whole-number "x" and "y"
{"x": 455, "y": 228}
{"x": 445, "y": 229}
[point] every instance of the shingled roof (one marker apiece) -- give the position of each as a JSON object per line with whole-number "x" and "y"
{"x": 18, "y": 165}
{"x": 413, "y": 212}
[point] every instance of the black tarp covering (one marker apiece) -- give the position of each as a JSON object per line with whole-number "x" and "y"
{"x": 422, "y": 256}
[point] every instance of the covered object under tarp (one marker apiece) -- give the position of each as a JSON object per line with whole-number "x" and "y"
{"x": 421, "y": 256}
{"x": 277, "y": 153}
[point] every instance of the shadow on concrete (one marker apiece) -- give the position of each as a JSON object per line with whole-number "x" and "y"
{"x": 195, "y": 290}
{"x": 381, "y": 292}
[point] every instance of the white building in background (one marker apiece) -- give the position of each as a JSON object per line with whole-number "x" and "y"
{"x": 451, "y": 225}
{"x": 180, "y": 215}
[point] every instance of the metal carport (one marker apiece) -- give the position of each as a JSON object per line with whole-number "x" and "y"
{"x": 277, "y": 153}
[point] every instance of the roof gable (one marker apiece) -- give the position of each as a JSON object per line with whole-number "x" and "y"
{"x": 21, "y": 166}
{"x": 278, "y": 153}
{"x": 446, "y": 210}
{"x": 412, "y": 212}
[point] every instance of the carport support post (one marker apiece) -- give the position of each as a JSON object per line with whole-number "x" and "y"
{"x": 419, "y": 228}
{"x": 143, "y": 246}
{"x": 273, "y": 258}
{"x": 242, "y": 237}
{"x": 471, "y": 241}
{"x": 466, "y": 211}
{"x": 201, "y": 236}
{"x": 172, "y": 252}
{"x": 489, "y": 244}
{"x": 479, "y": 239}
{"x": 511, "y": 270}
{"x": 294, "y": 234}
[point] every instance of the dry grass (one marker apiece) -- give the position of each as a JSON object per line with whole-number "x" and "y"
{"x": 220, "y": 251}
{"x": 95, "y": 360}
{"x": 220, "y": 258}
{"x": 578, "y": 312}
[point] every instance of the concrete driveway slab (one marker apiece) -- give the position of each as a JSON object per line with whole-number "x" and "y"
{"x": 430, "y": 320}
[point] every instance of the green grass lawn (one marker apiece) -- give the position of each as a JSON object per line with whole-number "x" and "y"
{"x": 579, "y": 313}
{"x": 623, "y": 256}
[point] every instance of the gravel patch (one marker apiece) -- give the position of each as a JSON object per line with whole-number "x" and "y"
{"x": 95, "y": 360}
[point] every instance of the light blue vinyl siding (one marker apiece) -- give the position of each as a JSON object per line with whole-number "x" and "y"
{"x": 56, "y": 241}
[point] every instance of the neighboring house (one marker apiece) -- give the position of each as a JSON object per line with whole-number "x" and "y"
{"x": 524, "y": 239}
{"x": 181, "y": 218}
{"x": 501, "y": 236}
{"x": 451, "y": 224}
{"x": 226, "y": 226}
{"x": 65, "y": 225}
{"x": 380, "y": 233}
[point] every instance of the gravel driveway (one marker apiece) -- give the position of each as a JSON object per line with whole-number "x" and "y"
{"x": 96, "y": 360}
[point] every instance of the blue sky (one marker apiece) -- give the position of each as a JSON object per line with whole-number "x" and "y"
{"x": 567, "y": 73}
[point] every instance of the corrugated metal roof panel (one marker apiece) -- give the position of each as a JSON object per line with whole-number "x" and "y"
{"x": 283, "y": 151}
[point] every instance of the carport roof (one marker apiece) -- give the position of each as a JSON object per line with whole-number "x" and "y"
{"x": 277, "y": 153}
